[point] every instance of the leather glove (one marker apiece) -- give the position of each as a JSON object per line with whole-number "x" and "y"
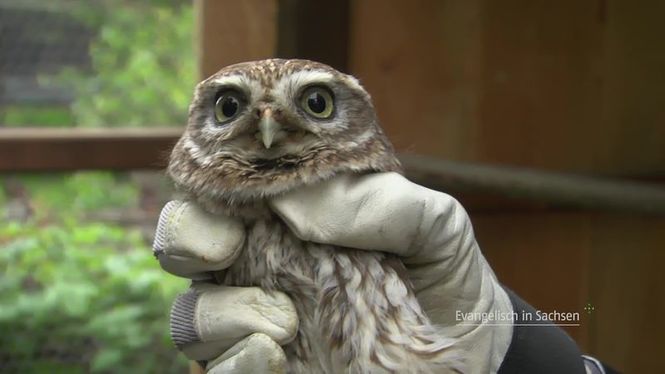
{"x": 428, "y": 229}
{"x": 244, "y": 324}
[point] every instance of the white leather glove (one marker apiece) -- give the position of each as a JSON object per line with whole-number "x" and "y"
{"x": 244, "y": 324}
{"x": 428, "y": 229}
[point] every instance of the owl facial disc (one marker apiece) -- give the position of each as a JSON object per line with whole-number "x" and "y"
{"x": 261, "y": 128}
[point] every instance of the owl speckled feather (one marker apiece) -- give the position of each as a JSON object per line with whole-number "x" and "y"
{"x": 258, "y": 129}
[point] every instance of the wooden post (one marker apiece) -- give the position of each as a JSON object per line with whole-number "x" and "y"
{"x": 231, "y": 31}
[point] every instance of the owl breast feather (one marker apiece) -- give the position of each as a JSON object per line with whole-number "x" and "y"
{"x": 357, "y": 311}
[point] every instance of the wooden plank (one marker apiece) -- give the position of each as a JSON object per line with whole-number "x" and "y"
{"x": 633, "y": 118}
{"x": 626, "y": 280}
{"x": 231, "y": 31}
{"x": 76, "y": 149}
{"x": 556, "y": 189}
{"x": 55, "y": 134}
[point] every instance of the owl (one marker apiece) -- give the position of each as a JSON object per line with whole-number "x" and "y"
{"x": 259, "y": 129}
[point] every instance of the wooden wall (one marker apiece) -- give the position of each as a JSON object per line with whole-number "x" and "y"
{"x": 567, "y": 85}
{"x": 571, "y": 85}
{"x": 574, "y": 86}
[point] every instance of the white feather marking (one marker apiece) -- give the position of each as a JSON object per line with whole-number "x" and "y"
{"x": 197, "y": 153}
{"x": 287, "y": 87}
{"x": 360, "y": 139}
{"x": 353, "y": 82}
{"x": 251, "y": 86}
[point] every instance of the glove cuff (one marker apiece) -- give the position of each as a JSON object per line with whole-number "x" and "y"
{"x": 183, "y": 330}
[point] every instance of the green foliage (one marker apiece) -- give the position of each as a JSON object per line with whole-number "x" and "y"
{"x": 69, "y": 195}
{"x": 76, "y": 294}
{"x": 18, "y": 116}
{"x": 83, "y": 297}
{"x": 143, "y": 66}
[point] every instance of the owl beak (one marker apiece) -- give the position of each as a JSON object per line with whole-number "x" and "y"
{"x": 268, "y": 128}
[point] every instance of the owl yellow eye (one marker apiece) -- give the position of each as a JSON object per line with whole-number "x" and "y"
{"x": 227, "y": 106}
{"x": 317, "y": 102}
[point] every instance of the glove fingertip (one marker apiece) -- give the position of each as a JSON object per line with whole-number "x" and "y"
{"x": 255, "y": 353}
{"x": 161, "y": 234}
{"x": 183, "y": 329}
{"x": 291, "y": 213}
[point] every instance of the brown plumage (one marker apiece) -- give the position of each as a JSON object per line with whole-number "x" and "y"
{"x": 258, "y": 129}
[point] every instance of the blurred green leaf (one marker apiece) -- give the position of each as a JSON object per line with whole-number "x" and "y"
{"x": 143, "y": 68}
{"x": 17, "y": 115}
{"x": 79, "y": 284}
{"x": 77, "y": 294}
{"x": 106, "y": 360}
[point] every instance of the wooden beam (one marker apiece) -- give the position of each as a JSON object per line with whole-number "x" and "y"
{"x": 555, "y": 189}
{"x": 60, "y": 149}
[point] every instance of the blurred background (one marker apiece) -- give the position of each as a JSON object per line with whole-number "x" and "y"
{"x": 544, "y": 118}
{"x": 79, "y": 288}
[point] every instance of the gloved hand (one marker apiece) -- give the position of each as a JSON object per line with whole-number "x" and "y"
{"x": 237, "y": 329}
{"x": 428, "y": 229}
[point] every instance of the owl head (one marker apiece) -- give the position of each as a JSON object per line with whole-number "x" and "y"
{"x": 261, "y": 128}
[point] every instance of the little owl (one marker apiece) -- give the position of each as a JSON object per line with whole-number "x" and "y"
{"x": 259, "y": 129}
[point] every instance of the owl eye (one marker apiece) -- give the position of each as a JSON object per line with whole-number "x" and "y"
{"x": 228, "y": 105}
{"x": 317, "y": 102}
